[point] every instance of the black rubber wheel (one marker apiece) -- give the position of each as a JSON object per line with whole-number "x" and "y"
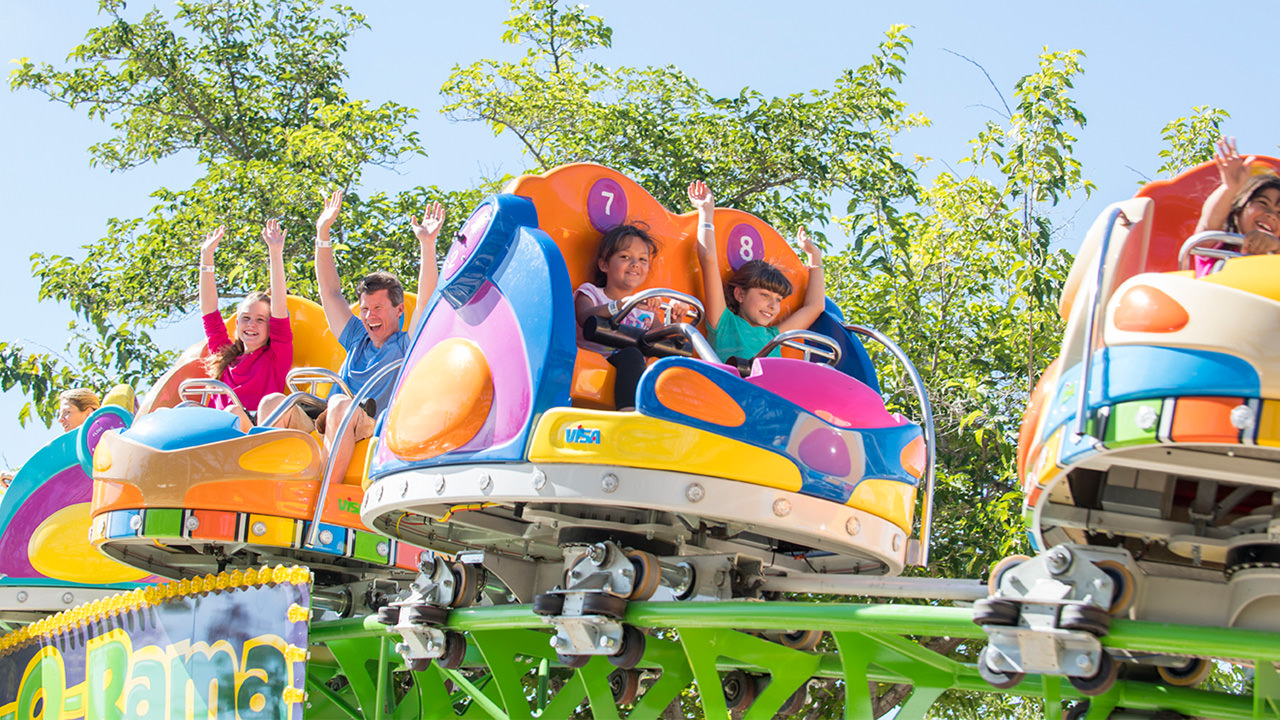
{"x": 1076, "y": 711}
{"x": 418, "y": 664}
{"x": 548, "y": 604}
{"x": 1102, "y": 680}
{"x": 427, "y": 615}
{"x": 388, "y": 615}
{"x": 466, "y": 584}
{"x": 998, "y": 679}
{"x": 632, "y": 650}
{"x": 996, "y": 611}
{"x": 648, "y": 574}
{"x": 1082, "y": 616}
{"x": 573, "y": 661}
{"x": 455, "y": 650}
{"x": 625, "y": 686}
{"x": 740, "y": 689}
{"x": 1191, "y": 674}
{"x": 1000, "y": 568}
{"x": 610, "y": 606}
{"x": 803, "y": 640}
{"x": 795, "y": 703}
{"x": 1123, "y": 592}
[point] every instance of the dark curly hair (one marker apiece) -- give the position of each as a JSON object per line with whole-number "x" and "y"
{"x": 1255, "y": 185}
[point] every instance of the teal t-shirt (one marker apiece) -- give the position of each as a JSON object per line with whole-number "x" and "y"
{"x": 735, "y": 337}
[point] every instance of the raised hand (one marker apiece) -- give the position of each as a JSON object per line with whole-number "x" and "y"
{"x": 432, "y": 221}
{"x": 810, "y": 249}
{"x": 1232, "y": 169}
{"x": 1260, "y": 242}
{"x": 274, "y": 236}
{"x": 700, "y": 196}
{"x": 210, "y": 243}
{"x": 332, "y": 207}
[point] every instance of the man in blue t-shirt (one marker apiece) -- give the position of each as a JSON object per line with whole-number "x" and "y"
{"x": 373, "y": 339}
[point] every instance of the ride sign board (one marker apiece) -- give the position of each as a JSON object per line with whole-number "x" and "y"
{"x": 229, "y": 646}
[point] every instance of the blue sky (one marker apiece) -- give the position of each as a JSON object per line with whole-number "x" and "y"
{"x": 1147, "y": 63}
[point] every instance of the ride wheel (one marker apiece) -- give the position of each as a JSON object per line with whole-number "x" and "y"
{"x": 573, "y": 661}
{"x": 648, "y": 574}
{"x": 388, "y": 615}
{"x": 548, "y": 604}
{"x": 455, "y": 650}
{"x": 1000, "y": 568}
{"x": 632, "y": 650}
{"x": 795, "y": 703}
{"x": 740, "y": 689}
{"x": 1124, "y": 591}
{"x": 998, "y": 679}
{"x": 803, "y": 640}
{"x": 625, "y": 685}
{"x": 996, "y": 611}
{"x": 1102, "y": 680}
{"x": 467, "y": 580}
{"x": 610, "y": 606}
{"x": 1191, "y": 674}
{"x": 1082, "y": 616}
{"x": 427, "y": 615}
{"x": 418, "y": 664}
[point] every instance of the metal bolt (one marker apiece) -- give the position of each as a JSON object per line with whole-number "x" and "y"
{"x": 694, "y": 492}
{"x": 68, "y": 598}
{"x": 1059, "y": 560}
{"x": 782, "y": 507}
{"x": 22, "y": 596}
{"x": 383, "y": 548}
{"x": 1242, "y": 417}
{"x": 853, "y": 526}
{"x": 1146, "y": 417}
{"x": 897, "y": 542}
{"x": 1084, "y": 663}
{"x": 192, "y": 523}
{"x": 135, "y": 522}
{"x": 486, "y": 482}
{"x": 326, "y": 536}
{"x": 439, "y": 484}
{"x": 607, "y": 642}
{"x": 539, "y": 479}
{"x": 259, "y": 528}
{"x": 609, "y": 482}
{"x": 556, "y": 642}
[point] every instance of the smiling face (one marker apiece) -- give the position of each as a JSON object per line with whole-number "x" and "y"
{"x": 758, "y": 306}
{"x": 71, "y": 417}
{"x": 251, "y": 324}
{"x": 1262, "y": 212}
{"x": 627, "y": 268}
{"x": 381, "y": 319}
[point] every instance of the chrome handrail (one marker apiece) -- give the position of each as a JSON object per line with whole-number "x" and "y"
{"x": 791, "y": 338}
{"x": 310, "y": 376}
{"x": 1091, "y": 321}
{"x": 206, "y": 388}
{"x": 701, "y": 347}
{"x": 634, "y": 301}
{"x": 1193, "y": 247}
{"x": 930, "y": 434}
{"x": 356, "y": 401}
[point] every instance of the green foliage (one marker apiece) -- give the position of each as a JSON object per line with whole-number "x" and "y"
{"x": 1189, "y": 140}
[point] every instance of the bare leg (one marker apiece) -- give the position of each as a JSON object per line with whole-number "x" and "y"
{"x": 296, "y": 419}
{"x": 245, "y": 423}
{"x": 341, "y": 449}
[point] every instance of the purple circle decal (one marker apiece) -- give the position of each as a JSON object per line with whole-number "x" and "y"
{"x": 466, "y": 240}
{"x": 825, "y": 451}
{"x": 606, "y": 204}
{"x": 744, "y": 245}
{"x": 104, "y": 422}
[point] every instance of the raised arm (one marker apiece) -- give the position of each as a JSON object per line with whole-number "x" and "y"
{"x": 712, "y": 285}
{"x": 428, "y": 274}
{"x": 815, "y": 296}
{"x": 274, "y": 237}
{"x": 208, "y": 277}
{"x": 1233, "y": 171}
{"x": 336, "y": 309}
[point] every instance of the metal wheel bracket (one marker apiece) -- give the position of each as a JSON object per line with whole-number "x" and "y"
{"x": 1073, "y": 653}
{"x": 1065, "y": 573}
{"x": 420, "y": 642}
{"x": 602, "y": 566}
{"x": 586, "y": 635}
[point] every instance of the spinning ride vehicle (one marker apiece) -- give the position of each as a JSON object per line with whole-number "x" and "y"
{"x": 502, "y": 445}
{"x": 184, "y": 492}
{"x": 1149, "y": 450}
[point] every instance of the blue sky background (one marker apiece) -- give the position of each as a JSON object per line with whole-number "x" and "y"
{"x": 1147, "y": 63}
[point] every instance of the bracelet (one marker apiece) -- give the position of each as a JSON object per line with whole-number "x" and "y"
{"x": 707, "y": 226}
{"x": 323, "y": 243}
{"x": 613, "y": 307}
{"x": 206, "y": 268}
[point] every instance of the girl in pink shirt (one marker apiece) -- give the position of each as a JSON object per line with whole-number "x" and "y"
{"x": 255, "y": 364}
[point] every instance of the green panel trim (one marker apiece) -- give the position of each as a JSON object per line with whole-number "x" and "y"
{"x": 365, "y": 547}
{"x": 162, "y": 522}
{"x": 1122, "y": 427}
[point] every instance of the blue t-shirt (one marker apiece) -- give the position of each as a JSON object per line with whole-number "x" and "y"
{"x": 364, "y": 360}
{"x": 735, "y": 337}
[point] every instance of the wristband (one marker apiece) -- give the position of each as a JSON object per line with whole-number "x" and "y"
{"x": 613, "y": 307}
{"x": 707, "y": 226}
{"x": 323, "y": 243}
{"x": 206, "y": 268}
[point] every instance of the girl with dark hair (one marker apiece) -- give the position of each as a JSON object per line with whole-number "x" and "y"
{"x": 756, "y": 291}
{"x": 1246, "y": 202}
{"x": 256, "y": 362}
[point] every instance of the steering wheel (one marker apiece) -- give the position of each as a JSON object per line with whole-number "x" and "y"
{"x": 668, "y": 297}
{"x": 1198, "y": 245}
{"x": 810, "y": 343}
{"x": 197, "y": 391}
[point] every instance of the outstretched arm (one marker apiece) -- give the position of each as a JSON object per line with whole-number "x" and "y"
{"x": 1233, "y": 171}
{"x": 712, "y": 286}
{"x": 336, "y": 309}
{"x": 208, "y": 278}
{"x": 274, "y": 237}
{"x": 815, "y": 296}
{"x": 428, "y": 274}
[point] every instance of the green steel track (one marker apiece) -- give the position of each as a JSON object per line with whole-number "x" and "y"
{"x": 509, "y": 666}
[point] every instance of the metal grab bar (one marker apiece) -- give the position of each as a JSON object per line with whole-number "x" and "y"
{"x": 930, "y": 434}
{"x": 827, "y": 348}
{"x": 634, "y": 301}
{"x": 1091, "y": 322}
{"x": 701, "y": 347}
{"x": 309, "y": 376}
{"x": 356, "y": 401}
{"x": 1193, "y": 246}
{"x": 206, "y": 388}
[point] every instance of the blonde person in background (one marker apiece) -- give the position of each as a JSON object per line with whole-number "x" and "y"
{"x": 75, "y": 405}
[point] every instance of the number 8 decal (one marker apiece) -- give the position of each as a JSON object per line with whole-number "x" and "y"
{"x": 606, "y": 204}
{"x": 744, "y": 245}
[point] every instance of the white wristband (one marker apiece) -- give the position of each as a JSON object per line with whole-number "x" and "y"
{"x": 323, "y": 243}
{"x": 707, "y": 226}
{"x": 206, "y": 268}
{"x": 613, "y": 307}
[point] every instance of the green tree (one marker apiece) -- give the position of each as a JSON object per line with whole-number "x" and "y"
{"x": 251, "y": 92}
{"x": 1189, "y": 140}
